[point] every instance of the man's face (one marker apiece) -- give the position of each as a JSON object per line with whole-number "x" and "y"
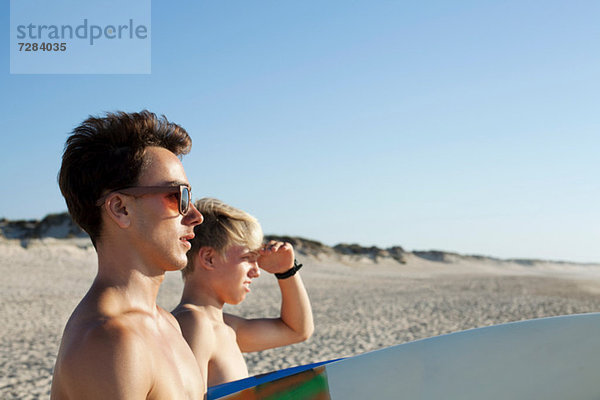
{"x": 236, "y": 269}
{"x": 162, "y": 233}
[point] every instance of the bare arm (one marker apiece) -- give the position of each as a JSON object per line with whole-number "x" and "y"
{"x": 198, "y": 334}
{"x": 109, "y": 363}
{"x": 295, "y": 323}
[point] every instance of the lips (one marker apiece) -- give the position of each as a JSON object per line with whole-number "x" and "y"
{"x": 186, "y": 239}
{"x": 247, "y": 285}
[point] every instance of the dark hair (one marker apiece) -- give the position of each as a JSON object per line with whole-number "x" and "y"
{"x": 107, "y": 153}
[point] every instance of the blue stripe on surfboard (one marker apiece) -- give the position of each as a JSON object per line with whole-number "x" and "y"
{"x": 218, "y": 391}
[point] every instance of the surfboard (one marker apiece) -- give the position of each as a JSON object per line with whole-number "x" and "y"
{"x": 547, "y": 358}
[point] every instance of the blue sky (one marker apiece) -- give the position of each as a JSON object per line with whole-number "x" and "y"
{"x": 468, "y": 126}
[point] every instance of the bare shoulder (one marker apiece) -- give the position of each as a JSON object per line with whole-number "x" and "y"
{"x": 105, "y": 358}
{"x": 170, "y": 318}
{"x": 118, "y": 335}
{"x": 234, "y": 321}
{"x": 196, "y": 326}
{"x": 190, "y": 316}
{"x": 121, "y": 336}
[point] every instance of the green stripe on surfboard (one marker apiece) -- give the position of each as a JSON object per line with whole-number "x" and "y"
{"x": 315, "y": 388}
{"x": 307, "y": 385}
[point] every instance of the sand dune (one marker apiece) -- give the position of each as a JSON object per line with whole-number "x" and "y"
{"x": 359, "y": 304}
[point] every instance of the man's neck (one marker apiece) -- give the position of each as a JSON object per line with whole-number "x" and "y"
{"x": 199, "y": 296}
{"x": 123, "y": 273}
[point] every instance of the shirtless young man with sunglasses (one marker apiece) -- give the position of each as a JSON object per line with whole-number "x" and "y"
{"x": 126, "y": 187}
{"x": 226, "y": 255}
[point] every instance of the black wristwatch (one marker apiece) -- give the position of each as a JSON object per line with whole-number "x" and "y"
{"x": 290, "y": 272}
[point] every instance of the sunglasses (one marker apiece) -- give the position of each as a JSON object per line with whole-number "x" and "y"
{"x": 184, "y": 193}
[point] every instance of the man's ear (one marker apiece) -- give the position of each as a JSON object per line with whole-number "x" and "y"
{"x": 206, "y": 258}
{"x": 116, "y": 208}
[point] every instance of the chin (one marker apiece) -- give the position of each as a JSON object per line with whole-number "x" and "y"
{"x": 177, "y": 264}
{"x": 235, "y": 302}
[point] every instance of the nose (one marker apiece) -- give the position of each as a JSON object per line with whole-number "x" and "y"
{"x": 193, "y": 217}
{"x": 254, "y": 271}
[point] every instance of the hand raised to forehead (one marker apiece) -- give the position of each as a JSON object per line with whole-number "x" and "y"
{"x": 276, "y": 257}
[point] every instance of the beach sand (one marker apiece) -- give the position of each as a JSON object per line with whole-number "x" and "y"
{"x": 358, "y": 306}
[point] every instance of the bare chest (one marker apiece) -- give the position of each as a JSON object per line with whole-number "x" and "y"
{"x": 176, "y": 373}
{"x": 227, "y": 362}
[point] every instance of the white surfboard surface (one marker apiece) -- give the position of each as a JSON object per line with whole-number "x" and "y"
{"x": 549, "y": 358}
{"x": 554, "y": 358}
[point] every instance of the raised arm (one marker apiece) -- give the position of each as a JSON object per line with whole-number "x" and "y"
{"x": 295, "y": 323}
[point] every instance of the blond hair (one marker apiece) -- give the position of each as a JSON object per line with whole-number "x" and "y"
{"x": 223, "y": 226}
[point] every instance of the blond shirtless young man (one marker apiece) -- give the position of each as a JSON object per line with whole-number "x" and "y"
{"x": 126, "y": 187}
{"x": 226, "y": 254}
